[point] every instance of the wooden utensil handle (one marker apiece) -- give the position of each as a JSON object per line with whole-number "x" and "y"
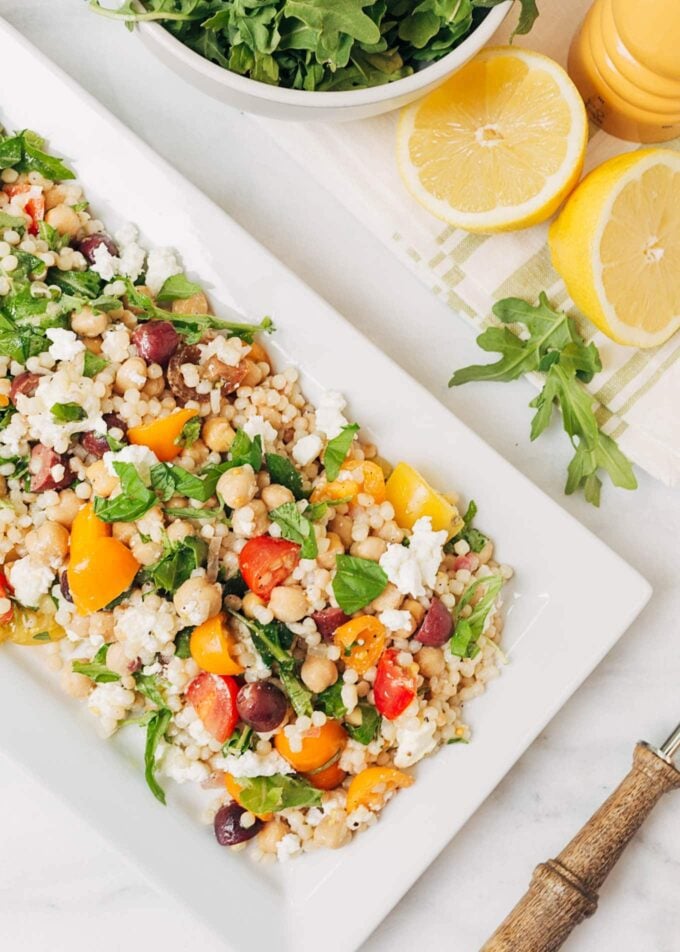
{"x": 563, "y": 891}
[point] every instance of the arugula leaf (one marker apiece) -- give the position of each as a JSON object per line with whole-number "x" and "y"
{"x": 368, "y": 730}
{"x": 175, "y": 566}
{"x": 278, "y": 792}
{"x": 133, "y": 501}
{"x": 240, "y": 741}
{"x": 527, "y": 15}
{"x": 284, "y": 473}
{"x": 330, "y": 701}
{"x": 23, "y": 152}
{"x": 55, "y": 241}
{"x": 155, "y": 732}
{"x": 357, "y": 582}
{"x": 93, "y": 364}
{"x": 182, "y": 640}
{"x": 177, "y": 288}
{"x": 67, "y": 412}
{"x": 188, "y": 512}
{"x": 152, "y": 687}
{"x": 555, "y": 347}
{"x": 190, "y": 432}
{"x": 96, "y": 669}
{"x": 466, "y": 631}
{"x": 296, "y": 527}
{"x": 474, "y": 538}
{"x": 337, "y": 449}
{"x": 12, "y": 221}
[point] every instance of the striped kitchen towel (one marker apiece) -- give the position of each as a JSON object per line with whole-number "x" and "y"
{"x": 638, "y": 391}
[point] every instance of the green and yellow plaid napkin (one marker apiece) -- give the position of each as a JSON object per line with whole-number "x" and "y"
{"x": 638, "y": 391}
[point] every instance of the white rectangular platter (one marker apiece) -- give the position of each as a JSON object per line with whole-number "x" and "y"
{"x": 571, "y": 599}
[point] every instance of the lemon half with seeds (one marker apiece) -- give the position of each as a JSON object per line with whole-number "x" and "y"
{"x": 499, "y": 145}
{"x": 616, "y": 244}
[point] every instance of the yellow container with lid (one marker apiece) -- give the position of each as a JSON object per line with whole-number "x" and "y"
{"x": 625, "y": 61}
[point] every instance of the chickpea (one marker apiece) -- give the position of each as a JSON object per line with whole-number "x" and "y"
{"x": 416, "y": 609}
{"x": 251, "y": 602}
{"x": 101, "y": 480}
{"x": 147, "y": 553}
{"x": 237, "y": 486}
{"x": 75, "y": 685}
{"x": 391, "y": 597}
{"x": 197, "y": 600}
{"x": 55, "y": 196}
{"x": 64, "y": 219}
{"x": 332, "y": 832}
{"x": 371, "y": 548}
{"x": 131, "y": 375}
{"x": 431, "y": 661}
{"x": 342, "y": 526}
{"x": 196, "y": 304}
{"x": 335, "y": 547}
{"x": 89, "y": 323}
{"x": 288, "y": 603}
{"x": 274, "y": 496}
{"x": 271, "y": 834}
{"x": 218, "y": 434}
{"x": 124, "y": 531}
{"x": 48, "y": 544}
{"x": 66, "y": 509}
{"x": 154, "y": 388}
{"x": 179, "y": 529}
{"x": 318, "y": 673}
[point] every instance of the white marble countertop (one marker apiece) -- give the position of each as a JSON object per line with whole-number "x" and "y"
{"x": 62, "y": 887}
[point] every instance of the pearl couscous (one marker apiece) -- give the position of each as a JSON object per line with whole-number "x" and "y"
{"x": 203, "y": 553}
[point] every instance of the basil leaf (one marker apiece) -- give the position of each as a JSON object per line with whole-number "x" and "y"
{"x": 177, "y": 288}
{"x": 246, "y": 451}
{"x": 155, "y": 732}
{"x": 67, "y": 412}
{"x": 330, "y": 701}
{"x": 11, "y": 151}
{"x": 284, "y": 473}
{"x": 162, "y": 481}
{"x": 176, "y": 564}
{"x": 35, "y": 160}
{"x": 182, "y": 643}
{"x": 337, "y": 449}
{"x": 235, "y": 585}
{"x": 280, "y": 792}
{"x": 357, "y": 582}
{"x": 133, "y": 501}
{"x": 190, "y": 432}
{"x": 368, "y": 730}
{"x": 114, "y": 444}
{"x": 93, "y": 364}
{"x": 96, "y": 669}
{"x": 296, "y": 528}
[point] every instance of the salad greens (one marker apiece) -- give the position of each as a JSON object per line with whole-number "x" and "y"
{"x": 263, "y": 795}
{"x": 466, "y": 631}
{"x": 156, "y": 727}
{"x": 551, "y": 343}
{"x": 23, "y": 151}
{"x": 318, "y": 44}
{"x": 357, "y": 582}
{"x": 474, "y": 538}
{"x": 297, "y": 527}
{"x": 96, "y": 669}
{"x": 175, "y": 566}
{"x": 337, "y": 449}
{"x": 284, "y": 473}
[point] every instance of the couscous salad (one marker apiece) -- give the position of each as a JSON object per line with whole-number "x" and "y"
{"x": 202, "y": 554}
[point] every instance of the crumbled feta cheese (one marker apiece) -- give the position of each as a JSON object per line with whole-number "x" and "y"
{"x": 144, "y": 632}
{"x": 132, "y": 258}
{"x": 66, "y": 385}
{"x": 161, "y": 264}
{"x": 140, "y": 456}
{"x": 229, "y": 350}
{"x": 180, "y": 768}
{"x": 126, "y": 234}
{"x": 395, "y": 620}
{"x": 65, "y": 344}
{"x": 329, "y": 417}
{"x": 250, "y": 764}
{"x": 13, "y": 437}
{"x": 258, "y": 426}
{"x": 414, "y": 569}
{"x": 105, "y": 264}
{"x": 307, "y": 449}
{"x": 110, "y": 702}
{"x": 30, "y": 580}
{"x": 115, "y": 344}
{"x": 349, "y": 696}
{"x": 413, "y": 743}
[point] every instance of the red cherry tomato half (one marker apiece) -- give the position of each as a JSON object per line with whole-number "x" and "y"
{"x": 5, "y": 592}
{"x": 266, "y": 562}
{"x": 395, "y": 685}
{"x": 34, "y": 207}
{"x": 213, "y": 697}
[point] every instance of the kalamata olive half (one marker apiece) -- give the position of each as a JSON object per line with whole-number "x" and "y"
{"x": 228, "y": 829}
{"x": 41, "y": 464}
{"x": 88, "y": 245}
{"x": 95, "y": 443}
{"x": 156, "y": 341}
{"x": 64, "y": 587}
{"x": 262, "y": 706}
{"x": 25, "y": 383}
{"x": 328, "y": 620}
{"x": 436, "y": 627}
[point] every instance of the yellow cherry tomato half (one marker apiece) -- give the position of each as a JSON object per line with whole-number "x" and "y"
{"x": 33, "y": 627}
{"x": 162, "y": 435}
{"x": 339, "y": 489}
{"x": 319, "y": 746}
{"x": 368, "y": 788}
{"x": 412, "y": 497}
{"x": 369, "y": 476}
{"x": 361, "y": 642}
{"x": 212, "y": 647}
{"x": 86, "y": 531}
{"x": 103, "y": 575}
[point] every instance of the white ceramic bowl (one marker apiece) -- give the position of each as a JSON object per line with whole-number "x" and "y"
{"x": 279, "y": 103}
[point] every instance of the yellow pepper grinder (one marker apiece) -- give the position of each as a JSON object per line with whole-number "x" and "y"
{"x": 625, "y": 61}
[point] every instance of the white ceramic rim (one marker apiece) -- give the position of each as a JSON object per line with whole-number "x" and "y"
{"x": 337, "y": 100}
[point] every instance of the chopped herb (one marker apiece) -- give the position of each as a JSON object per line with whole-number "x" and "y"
{"x": 23, "y": 152}
{"x": 368, "y": 730}
{"x": 279, "y": 792}
{"x": 182, "y": 643}
{"x": 55, "y": 240}
{"x": 284, "y": 473}
{"x": 67, "y": 412}
{"x": 357, "y": 582}
{"x": 152, "y": 687}
{"x": 93, "y": 364}
{"x": 330, "y": 701}
{"x": 114, "y": 444}
{"x": 245, "y": 450}
{"x": 156, "y": 729}
{"x": 337, "y": 450}
{"x": 458, "y": 740}
{"x": 296, "y": 527}
{"x": 177, "y": 288}
{"x": 474, "y": 538}
{"x": 190, "y": 432}
{"x": 240, "y": 741}
{"x": 12, "y": 221}
{"x": 176, "y": 565}
{"x": 96, "y": 669}
{"x": 189, "y": 512}
{"x": 42, "y": 636}
{"x": 134, "y": 500}
{"x": 467, "y": 631}
{"x": 81, "y": 284}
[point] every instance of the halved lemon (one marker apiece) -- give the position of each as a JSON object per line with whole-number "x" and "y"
{"x": 499, "y": 145}
{"x": 616, "y": 244}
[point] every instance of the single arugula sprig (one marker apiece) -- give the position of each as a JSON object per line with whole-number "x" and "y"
{"x": 467, "y": 631}
{"x": 552, "y": 345}
{"x": 96, "y": 669}
{"x": 474, "y": 538}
